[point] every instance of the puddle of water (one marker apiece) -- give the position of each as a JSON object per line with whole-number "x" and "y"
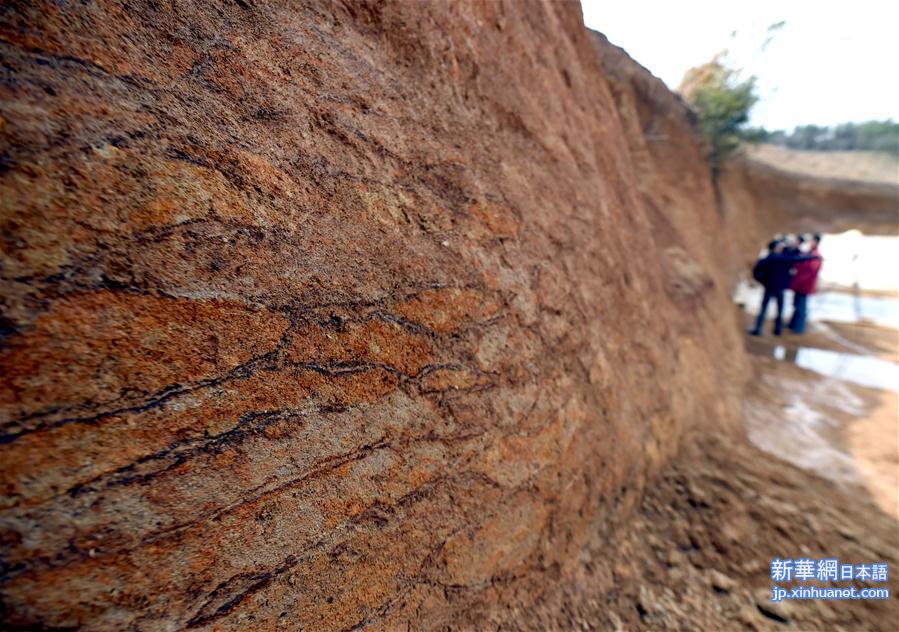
{"x": 852, "y": 259}
{"x": 826, "y": 424}
{"x": 848, "y": 367}
{"x": 861, "y": 370}
{"x": 819, "y": 419}
{"x": 849, "y": 308}
{"x": 797, "y": 433}
{"x": 838, "y": 307}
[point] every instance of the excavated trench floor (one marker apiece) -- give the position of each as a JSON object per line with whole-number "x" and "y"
{"x": 816, "y": 476}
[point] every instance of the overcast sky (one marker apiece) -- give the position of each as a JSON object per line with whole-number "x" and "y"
{"x": 831, "y": 62}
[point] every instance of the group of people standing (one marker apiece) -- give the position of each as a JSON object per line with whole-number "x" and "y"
{"x": 791, "y": 263}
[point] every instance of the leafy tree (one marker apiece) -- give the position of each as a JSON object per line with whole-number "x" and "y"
{"x": 758, "y": 135}
{"x": 878, "y": 136}
{"x": 722, "y": 102}
{"x": 808, "y": 137}
{"x": 868, "y": 136}
{"x": 844, "y": 137}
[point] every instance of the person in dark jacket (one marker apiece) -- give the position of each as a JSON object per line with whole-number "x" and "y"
{"x": 775, "y": 272}
{"x": 804, "y": 282}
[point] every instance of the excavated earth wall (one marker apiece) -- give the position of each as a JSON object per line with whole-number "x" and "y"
{"x": 333, "y": 314}
{"x": 798, "y": 203}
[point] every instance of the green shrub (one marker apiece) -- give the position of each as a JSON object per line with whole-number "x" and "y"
{"x": 722, "y": 102}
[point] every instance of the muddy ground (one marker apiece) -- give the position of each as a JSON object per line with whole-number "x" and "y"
{"x": 697, "y": 555}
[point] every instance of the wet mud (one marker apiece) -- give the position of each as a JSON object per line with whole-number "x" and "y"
{"x": 827, "y": 402}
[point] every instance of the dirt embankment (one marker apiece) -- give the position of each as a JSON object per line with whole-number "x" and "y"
{"x": 759, "y": 200}
{"x": 785, "y": 201}
{"x": 339, "y": 315}
{"x": 865, "y": 166}
{"x": 755, "y": 198}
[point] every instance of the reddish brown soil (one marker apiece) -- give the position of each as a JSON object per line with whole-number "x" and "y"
{"x": 696, "y": 553}
{"x": 333, "y": 315}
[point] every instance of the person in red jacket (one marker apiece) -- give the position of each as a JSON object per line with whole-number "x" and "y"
{"x": 804, "y": 282}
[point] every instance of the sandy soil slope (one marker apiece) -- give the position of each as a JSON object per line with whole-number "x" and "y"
{"x": 849, "y": 165}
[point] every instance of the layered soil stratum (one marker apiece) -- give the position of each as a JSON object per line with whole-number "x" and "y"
{"x": 345, "y": 315}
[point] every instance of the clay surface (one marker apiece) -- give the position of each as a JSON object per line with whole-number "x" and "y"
{"x": 334, "y": 315}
